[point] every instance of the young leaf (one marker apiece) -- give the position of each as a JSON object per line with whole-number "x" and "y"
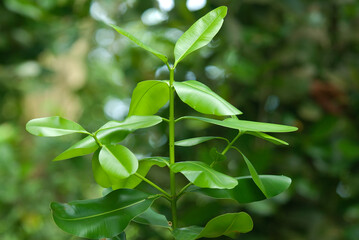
{"x": 225, "y": 224}
{"x": 144, "y": 165}
{"x": 118, "y": 161}
{"x": 140, "y": 44}
{"x": 100, "y": 175}
{"x": 132, "y": 123}
{"x": 148, "y": 97}
{"x": 247, "y": 191}
{"x": 53, "y": 127}
{"x": 201, "y": 175}
{"x": 104, "y": 217}
{"x": 88, "y": 144}
{"x": 83, "y": 147}
{"x": 150, "y": 217}
{"x": 195, "y": 141}
{"x": 202, "y": 99}
{"x": 200, "y": 33}
{"x": 245, "y": 125}
{"x": 267, "y": 137}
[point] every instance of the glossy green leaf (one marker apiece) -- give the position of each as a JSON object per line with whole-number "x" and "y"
{"x": 200, "y": 33}
{"x": 132, "y": 123}
{"x": 144, "y": 165}
{"x": 247, "y": 191}
{"x": 118, "y": 161}
{"x": 225, "y": 224}
{"x": 100, "y": 175}
{"x": 104, "y": 217}
{"x": 83, "y": 147}
{"x": 267, "y": 137}
{"x": 53, "y": 127}
{"x": 245, "y": 125}
{"x": 88, "y": 144}
{"x": 148, "y": 97}
{"x": 139, "y": 43}
{"x": 202, "y": 99}
{"x": 150, "y": 217}
{"x": 202, "y": 175}
{"x": 195, "y": 141}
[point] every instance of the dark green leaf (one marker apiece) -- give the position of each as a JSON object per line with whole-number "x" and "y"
{"x": 203, "y": 99}
{"x": 143, "y": 168}
{"x": 150, "y": 217}
{"x": 118, "y": 161}
{"x": 148, "y": 97}
{"x": 225, "y": 224}
{"x": 139, "y": 43}
{"x": 121, "y": 236}
{"x": 245, "y": 125}
{"x": 53, "y": 127}
{"x": 254, "y": 174}
{"x": 195, "y": 141}
{"x": 247, "y": 191}
{"x": 104, "y": 217}
{"x": 268, "y": 138}
{"x": 200, "y": 33}
{"x": 202, "y": 175}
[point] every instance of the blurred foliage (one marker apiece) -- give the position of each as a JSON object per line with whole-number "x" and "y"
{"x": 291, "y": 61}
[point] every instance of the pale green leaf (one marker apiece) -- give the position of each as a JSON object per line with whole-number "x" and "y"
{"x": 200, "y": 33}
{"x": 195, "y": 141}
{"x": 148, "y": 97}
{"x": 118, "y": 161}
{"x": 202, "y": 175}
{"x": 202, "y": 99}
{"x": 53, "y": 127}
{"x": 140, "y": 43}
{"x": 243, "y": 125}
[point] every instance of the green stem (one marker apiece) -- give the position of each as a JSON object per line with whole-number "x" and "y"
{"x": 172, "y": 150}
{"x": 183, "y": 189}
{"x": 96, "y": 139}
{"x": 153, "y": 185}
{"x": 229, "y": 146}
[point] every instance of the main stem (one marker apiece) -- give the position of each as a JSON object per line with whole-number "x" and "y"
{"x": 172, "y": 150}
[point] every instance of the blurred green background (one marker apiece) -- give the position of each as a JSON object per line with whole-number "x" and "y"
{"x": 293, "y": 62}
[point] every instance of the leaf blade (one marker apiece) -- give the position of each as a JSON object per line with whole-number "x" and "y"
{"x": 140, "y": 43}
{"x": 244, "y": 125}
{"x": 274, "y": 185}
{"x": 199, "y": 34}
{"x": 195, "y": 141}
{"x": 201, "y": 175}
{"x": 104, "y": 217}
{"x": 150, "y": 217}
{"x": 148, "y": 97}
{"x": 53, "y": 127}
{"x": 202, "y": 99}
{"x": 118, "y": 161}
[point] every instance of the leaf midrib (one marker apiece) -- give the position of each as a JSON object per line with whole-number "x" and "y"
{"x": 185, "y": 53}
{"x": 156, "y": 83}
{"x": 212, "y": 94}
{"x": 124, "y": 165}
{"x": 101, "y": 214}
